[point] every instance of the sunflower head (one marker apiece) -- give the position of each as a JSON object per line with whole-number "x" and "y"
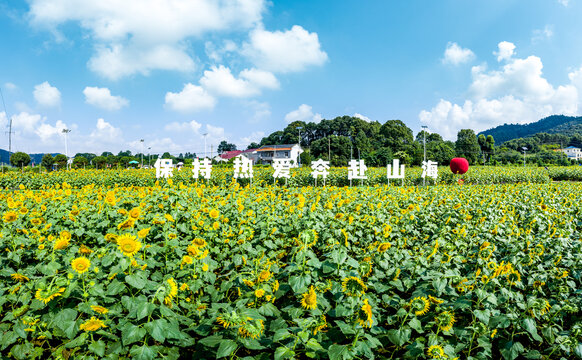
{"x": 10, "y": 216}
{"x": 309, "y": 299}
{"x": 214, "y": 213}
{"x": 251, "y": 328}
{"x": 81, "y": 264}
{"x": 384, "y": 246}
{"x": 365, "y": 315}
{"x": 128, "y": 244}
{"x": 92, "y": 324}
{"x": 353, "y": 286}
{"x": 420, "y": 305}
{"x": 99, "y": 309}
{"x": 436, "y": 352}
{"x": 445, "y": 320}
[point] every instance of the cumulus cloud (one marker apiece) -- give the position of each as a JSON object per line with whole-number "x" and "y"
{"x": 47, "y": 131}
{"x": 303, "y": 113}
{"x": 26, "y": 122}
{"x": 256, "y": 136}
{"x": 47, "y": 95}
{"x": 505, "y": 52}
{"x": 516, "y": 93}
{"x": 363, "y": 117}
{"x": 542, "y": 34}
{"x": 284, "y": 51}
{"x": 191, "y": 98}
{"x": 102, "y": 98}
{"x": 137, "y": 36}
{"x": 184, "y": 127}
{"x": 105, "y": 132}
{"x": 456, "y": 55}
{"x": 220, "y": 81}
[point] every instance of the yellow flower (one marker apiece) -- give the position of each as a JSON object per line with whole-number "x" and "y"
{"x": 252, "y": 328}
{"x": 216, "y": 225}
{"x": 445, "y": 320}
{"x": 214, "y": 213}
{"x": 309, "y": 299}
{"x": 19, "y": 277}
{"x": 143, "y": 233}
{"x": 493, "y": 333}
{"x": 46, "y": 295}
{"x": 205, "y": 267}
{"x": 85, "y": 250}
{"x": 60, "y": 244}
{"x": 126, "y": 224}
{"x": 184, "y": 286}
{"x": 81, "y": 264}
{"x": 135, "y": 213}
{"x": 169, "y": 217}
{"x": 353, "y": 286}
{"x": 92, "y": 324}
{"x": 264, "y": 276}
{"x": 436, "y": 352}
{"x": 173, "y": 292}
{"x": 420, "y": 305}
{"x": 128, "y": 244}
{"x": 187, "y": 260}
{"x": 198, "y": 242}
{"x": 10, "y": 216}
{"x": 384, "y": 246}
{"x": 259, "y": 293}
{"x": 365, "y": 315}
{"x": 99, "y": 309}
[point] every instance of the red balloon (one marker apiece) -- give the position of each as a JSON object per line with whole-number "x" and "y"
{"x": 459, "y": 165}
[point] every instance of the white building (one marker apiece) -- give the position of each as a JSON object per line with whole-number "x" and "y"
{"x": 573, "y": 153}
{"x": 267, "y": 153}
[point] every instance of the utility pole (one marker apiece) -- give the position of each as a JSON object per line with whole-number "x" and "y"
{"x": 205, "y": 134}
{"x": 524, "y": 150}
{"x": 424, "y": 127}
{"x": 149, "y": 156}
{"x": 329, "y": 149}
{"x": 142, "y": 140}
{"x": 299, "y": 142}
{"x": 66, "y": 131}
{"x": 9, "y": 126}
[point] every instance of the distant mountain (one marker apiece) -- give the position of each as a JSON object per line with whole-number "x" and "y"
{"x": 555, "y": 124}
{"x": 34, "y": 158}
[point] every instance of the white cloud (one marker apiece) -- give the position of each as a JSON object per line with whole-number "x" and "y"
{"x": 26, "y": 122}
{"x": 303, "y": 113}
{"x": 542, "y": 34}
{"x": 260, "y": 111}
{"x": 191, "y": 98}
{"x": 137, "y": 36}
{"x": 456, "y": 55}
{"x": 102, "y": 98}
{"x": 105, "y": 132}
{"x": 46, "y": 131}
{"x": 217, "y": 54}
{"x": 221, "y": 82}
{"x": 254, "y": 137}
{"x": 284, "y": 51}
{"x": 517, "y": 93}
{"x": 564, "y": 2}
{"x": 47, "y": 95}
{"x": 363, "y": 117}
{"x": 184, "y": 127}
{"x": 506, "y": 50}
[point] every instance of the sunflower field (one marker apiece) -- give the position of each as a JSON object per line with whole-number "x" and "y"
{"x": 191, "y": 270}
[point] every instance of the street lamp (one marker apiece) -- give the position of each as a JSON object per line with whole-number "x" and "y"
{"x": 299, "y": 142}
{"x": 205, "y": 134}
{"x": 66, "y": 131}
{"x": 424, "y": 127}
{"x": 142, "y": 140}
{"x": 524, "y": 150}
{"x": 149, "y": 156}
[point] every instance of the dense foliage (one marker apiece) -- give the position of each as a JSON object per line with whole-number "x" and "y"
{"x": 555, "y": 124}
{"x": 440, "y": 272}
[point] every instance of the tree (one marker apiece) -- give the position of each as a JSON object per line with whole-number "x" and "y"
{"x": 47, "y": 161}
{"x": 99, "y": 161}
{"x": 61, "y": 161}
{"x": 396, "y": 135}
{"x": 467, "y": 145}
{"x": 253, "y": 145}
{"x": 487, "y": 145}
{"x": 167, "y": 155}
{"x": 19, "y": 159}
{"x": 339, "y": 146}
{"x": 224, "y": 146}
{"x": 80, "y": 161}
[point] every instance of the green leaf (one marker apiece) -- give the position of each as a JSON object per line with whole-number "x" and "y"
{"x": 530, "y": 326}
{"x": 337, "y": 352}
{"x": 439, "y": 285}
{"x": 314, "y": 345}
{"x": 79, "y": 340}
{"x": 416, "y": 325}
{"x": 281, "y": 334}
{"x": 143, "y": 352}
{"x": 97, "y": 347}
{"x": 533, "y": 354}
{"x": 156, "y": 329}
{"x": 226, "y": 348}
{"x": 211, "y": 341}
{"x": 131, "y": 334}
{"x": 578, "y": 350}
{"x": 399, "y": 337}
{"x": 483, "y": 315}
{"x": 138, "y": 281}
{"x": 284, "y": 352}
{"x": 7, "y": 338}
{"x": 144, "y": 309}
{"x": 512, "y": 350}
{"x": 299, "y": 283}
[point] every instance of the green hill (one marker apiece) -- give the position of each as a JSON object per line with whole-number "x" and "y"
{"x": 555, "y": 124}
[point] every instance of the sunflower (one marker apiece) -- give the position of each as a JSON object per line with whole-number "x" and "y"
{"x": 10, "y": 216}
{"x": 264, "y": 276}
{"x": 135, "y": 213}
{"x": 126, "y": 224}
{"x": 365, "y": 315}
{"x": 81, "y": 264}
{"x": 231, "y": 320}
{"x": 259, "y": 293}
{"x": 214, "y": 213}
{"x": 309, "y": 299}
{"x": 173, "y": 292}
{"x": 198, "y": 242}
{"x": 216, "y": 225}
{"x": 47, "y": 295}
{"x": 92, "y": 324}
{"x": 252, "y": 328}
{"x": 353, "y": 286}
{"x": 99, "y": 309}
{"x": 187, "y": 259}
{"x": 420, "y": 305}
{"x": 445, "y": 320}
{"x": 143, "y": 233}
{"x": 85, "y": 250}
{"x": 65, "y": 235}
{"x": 128, "y": 244}
{"x": 320, "y": 325}
{"x": 36, "y": 221}
{"x": 19, "y": 277}
{"x": 60, "y": 244}
{"x": 384, "y": 246}
{"x": 436, "y": 352}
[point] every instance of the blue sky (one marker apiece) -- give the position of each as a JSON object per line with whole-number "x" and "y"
{"x": 170, "y": 71}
